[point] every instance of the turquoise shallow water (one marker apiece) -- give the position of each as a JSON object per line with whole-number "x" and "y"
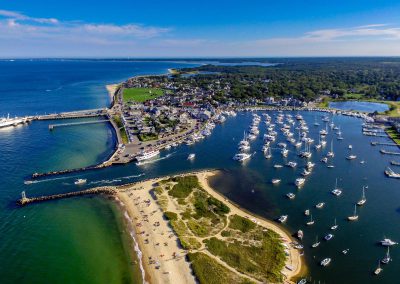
{"x": 359, "y": 106}
{"x": 80, "y": 240}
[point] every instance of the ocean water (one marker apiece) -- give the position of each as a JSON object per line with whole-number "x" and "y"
{"x": 82, "y": 240}
{"x": 360, "y": 106}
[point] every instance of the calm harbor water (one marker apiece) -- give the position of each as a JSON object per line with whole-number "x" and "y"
{"x": 359, "y": 106}
{"x": 80, "y": 240}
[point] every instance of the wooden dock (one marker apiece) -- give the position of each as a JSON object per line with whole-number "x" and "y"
{"x": 52, "y": 126}
{"x": 99, "y": 190}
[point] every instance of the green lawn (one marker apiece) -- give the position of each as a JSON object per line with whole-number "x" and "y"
{"x": 141, "y": 95}
{"x": 394, "y": 135}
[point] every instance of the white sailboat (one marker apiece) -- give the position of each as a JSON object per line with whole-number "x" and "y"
{"x": 311, "y": 222}
{"x": 354, "y": 217}
{"x": 378, "y": 269}
{"x": 387, "y": 258}
{"x": 330, "y": 153}
{"x": 336, "y": 191}
{"x": 335, "y": 226}
{"x": 316, "y": 244}
{"x": 362, "y": 201}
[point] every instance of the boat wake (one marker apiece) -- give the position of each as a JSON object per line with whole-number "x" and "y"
{"x": 27, "y": 182}
{"x": 108, "y": 181}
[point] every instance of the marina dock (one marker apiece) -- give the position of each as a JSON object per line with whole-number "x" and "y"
{"x": 100, "y": 190}
{"x": 52, "y": 126}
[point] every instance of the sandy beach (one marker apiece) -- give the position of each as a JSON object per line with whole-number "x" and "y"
{"x": 111, "y": 90}
{"x": 163, "y": 259}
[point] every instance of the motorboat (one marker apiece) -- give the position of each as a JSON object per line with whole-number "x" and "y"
{"x": 275, "y": 181}
{"x": 241, "y": 157}
{"x": 80, "y": 181}
{"x": 328, "y": 237}
{"x": 320, "y": 205}
{"x": 283, "y": 218}
{"x": 300, "y": 234}
{"x": 388, "y": 242}
{"x": 291, "y": 164}
{"x": 291, "y": 195}
{"x": 307, "y": 212}
{"x": 345, "y": 251}
{"x": 191, "y": 156}
{"x": 299, "y": 182}
{"x": 325, "y": 261}
{"x": 378, "y": 269}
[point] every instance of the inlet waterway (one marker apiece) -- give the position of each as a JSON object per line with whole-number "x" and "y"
{"x": 81, "y": 240}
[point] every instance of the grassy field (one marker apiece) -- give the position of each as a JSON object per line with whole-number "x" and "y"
{"x": 204, "y": 223}
{"x": 208, "y": 270}
{"x": 121, "y": 127}
{"x": 141, "y": 95}
{"x": 394, "y": 135}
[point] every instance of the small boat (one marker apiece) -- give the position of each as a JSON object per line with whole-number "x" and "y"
{"x": 275, "y": 181}
{"x": 284, "y": 152}
{"x": 390, "y": 173}
{"x": 330, "y": 166}
{"x": 80, "y": 181}
{"x": 336, "y": 191}
{"x": 316, "y": 244}
{"x": 345, "y": 251}
{"x": 302, "y": 281}
{"x": 335, "y": 226}
{"x": 320, "y": 205}
{"x": 325, "y": 261}
{"x": 353, "y": 217}
{"x": 299, "y": 182}
{"x": 378, "y": 269}
{"x": 300, "y": 234}
{"x": 350, "y": 146}
{"x": 291, "y": 195}
{"x": 311, "y": 222}
{"x": 351, "y": 157}
{"x": 362, "y": 201}
{"x": 328, "y": 237}
{"x": 268, "y": 155}
{"x": 291, "y": 164}
{"x": 307, "y": 212}
{"x": 191, "y": 156}
{"x": 331, "y": 153}
{"x": 388, "y": 242}
{"x": 387, "y": 258}
{"x": 324, "y": 160}
{"x": 283, "y": 218}
{"x": 278, "y": 166}
{"x": 305, "y": 172}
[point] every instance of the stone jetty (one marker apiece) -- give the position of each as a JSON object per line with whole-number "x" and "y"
{"x": 98, "y": 190}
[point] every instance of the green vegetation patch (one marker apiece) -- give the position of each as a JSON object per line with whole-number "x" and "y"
{"x": 392, "y": 132}
{"x": 171, "y": 215}
{"x": 198, "y": 228}
{"x": 184, "y": 186}
{"x": 242, "y": 224}
{"x": 208, "y": 270}
{"x": 263, "y": 262}
{"x": 141, "y": 95}
{"x": 121, "y": 127}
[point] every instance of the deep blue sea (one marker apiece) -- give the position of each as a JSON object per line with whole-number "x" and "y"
{"x": 81, "y": 240}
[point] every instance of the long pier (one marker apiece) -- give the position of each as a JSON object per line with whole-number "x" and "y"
{"x": 52, "y": 126}
{"x": 72, "y": 115}
{"x": 374, "y": 143}
{"x": 99, "y": 190}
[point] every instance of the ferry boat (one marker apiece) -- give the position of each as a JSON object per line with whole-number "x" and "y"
{"x": 387, "y": 257}
{"x": 388, "y": 242}
{"x": 378, "y": 269}
{"x": 291, "y": 195}
{"x": 299, "y": 182}
{"x": 7, "y": 121}
{"x": 241, "y": 157}
{"x": 80, "y": 181}
{"x": 275, "y": 181}
{"x": 146, "y": 155}
{"x": 320, "y": 205}
{"x": 328, "y": 237}
{"x": 353, "y": 217}
{"x": 390, "y": 173}
{"x": 325, "y": 261}
{"x": 283, "y": 218}
{"x": 191, "y": 156}
{"x": 362, "y": 201}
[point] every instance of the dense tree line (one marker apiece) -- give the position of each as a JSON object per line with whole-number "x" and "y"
{"x": 304, "y": 78}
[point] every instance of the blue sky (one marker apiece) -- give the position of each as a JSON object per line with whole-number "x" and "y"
{"x": 88, "y": 28}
